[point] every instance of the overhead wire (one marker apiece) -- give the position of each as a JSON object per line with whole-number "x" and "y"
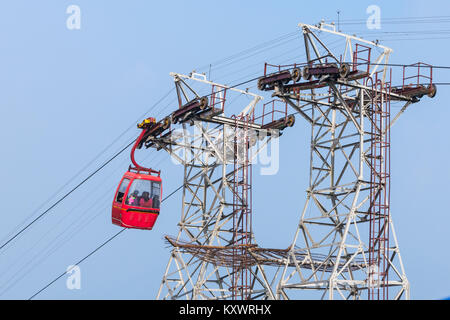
{"x": 266, "y": 43}
{"x": 65, "y": 196}
{"x": 270, "y": 42}
{"x": 107, "y": 162}
{"x": 154, "y": 157}
{"x": 82, "y": 182}
{"x": 79, "y": 262}
{"x": 410, "y": 35}
{"x": 221, "y": 61}
{"x": 397, "y": 20}
{"x": 252, "y": 55}
{"x": 55, "y": 244}
{"x": 94, "y": 251}
{"x": 22, "y": 229}
{"x": 234, "y": 85}
{"x": 77, "y": 186}
{"x": 111, "y": 238}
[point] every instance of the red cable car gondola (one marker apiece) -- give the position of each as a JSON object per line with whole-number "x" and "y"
{"x": 138, "y": 197}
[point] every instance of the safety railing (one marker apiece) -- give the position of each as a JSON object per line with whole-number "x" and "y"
{"x": 361, "y": 57}
{"x": 271, "y": 111}
{"x": 423, "y": 76}
{"x": 218, "y": 97}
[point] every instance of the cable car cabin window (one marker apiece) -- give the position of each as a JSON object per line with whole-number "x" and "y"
{"x": 156, "y": 193}
{"x": 122, "y": 189}
{"x": 144, "y": 193}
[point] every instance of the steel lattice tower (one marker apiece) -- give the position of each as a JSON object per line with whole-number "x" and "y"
{"x": 211, "y": 255}
{"x": 345, "y": 245}
{"x": 346, "y": 231}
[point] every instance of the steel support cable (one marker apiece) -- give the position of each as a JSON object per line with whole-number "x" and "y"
{"x": 409, "y": 32}
{"x": 91, "y": 176}
{"x": 402, "y": 22}
{"x": 76, "y": 175}
{"x": 53, "y": 246}
{"x": 111, "y": 238}
{"x": 400, "y": 65}
{"x": 118, "y": 233}
{"x": 239, "y": 70}
{"x": 82, "y": 201}
{"x": 287, "y": 60}
{"x": 69, "y": 214}
{"x": 269, "y": 42}
{"x": 79, "y": 262}
{"x": 66, "y": 195}
{"x": 87, "y": 178}
{"x": 284, "y": 61}
{"x": 406, "y": 36}
{"x": 252, "y": 55}
{"x": 153, "y": 158}
{"x": 300, "y": 64}
{"x": 129, "y": 144}
{"x": 305, "y": 63}
{"x": 262, "y": 63}
{"x": 258, "y": 64}
{"x": 413, "y": 39}
{"x": 399, "y": 20}
{"x": 133, "y": 142}
{"x": 65, "y": 185}
{"x": 94, "y": 251}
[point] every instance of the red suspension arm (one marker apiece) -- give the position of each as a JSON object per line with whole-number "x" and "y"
{"x": 137, "y": 166}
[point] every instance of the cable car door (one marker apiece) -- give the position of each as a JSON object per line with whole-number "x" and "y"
{"x": 118, "y": 201}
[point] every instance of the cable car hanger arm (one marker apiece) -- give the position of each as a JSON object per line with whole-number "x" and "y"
{"x": 137, "y": 143}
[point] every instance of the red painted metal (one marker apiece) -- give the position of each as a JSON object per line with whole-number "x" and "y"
{"x": 218, "y": 97}
{"x": 242, "y": 210}
{"x": 279, "y": 74}
{"x": 421, "y": 77}
{"x": 272, "y": 111}
{"x": 379, "y": 210}
{"x": 279, "y": 67}
{"x": 361, "y": 57}
{"x": 136, "y": 216}
{"x": 137, "y": 143}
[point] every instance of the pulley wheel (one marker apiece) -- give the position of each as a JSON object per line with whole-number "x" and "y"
{"x": 261, "y": 84}
{"x": 296, "y": 74}
{"x": 306, "y": 75}
{"x": 203, "y": 103}
{"x": 344, "y": 70}
{"x": 432, "y": 90}
{"x": 166, "y": 122}
{"x": 290, "y": 120}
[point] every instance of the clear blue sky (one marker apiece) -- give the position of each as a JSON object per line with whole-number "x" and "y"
{"x": 67, "y": 94}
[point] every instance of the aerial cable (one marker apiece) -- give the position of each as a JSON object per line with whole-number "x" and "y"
{"x": 251, "y": 55}
{"x": 118, "y": 233}
{"x": 261, "y": 45}
{"x": 69, "y": 181}
{"x": 55, "y": 245}
{"x": 130, "y": 144}
{"x": 94, "y": 251}
{"x": 82, "y": 182}
{"x": 86, "y": 179}
{"x": 66, "y": 195}
{"x": 400, "y": 20}
{"x": 79, "y": 262}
